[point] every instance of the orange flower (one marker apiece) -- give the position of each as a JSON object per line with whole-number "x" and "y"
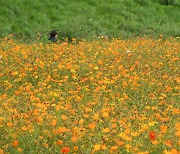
{"x": 14, "y": 73}
{"x": 62, "y": 129}
{"x": 59, "y": 142}
{"x": 24, "y": 128}
{"x": 113, "y": 148}
{"x": 75, "y": 148}
{"x": 74, "y": 139}
{"x": 16, "y": 92}
{"x": 168, "y": 143}
{"x": 92, "y": 126}
{"x": 9, "y": 124}
{"x": 95, "y": 116}
{"x": 56, "y": 57}
{"x": 97, "y": 147}
{"x": 105, "y": 130}
{"x": 97, "y": 89}
{"x": 15, "y": 143}
{"x": 104, "y": 147}
{"x": 163, "y": 129}
{"x": 46, "y": 145}
{"x": 105, "y": 115}
{"x": 65, "y": 150}
{"x": 152, "y": 135}
{"x": 124, "y": 83}
{"x": 175, "y": 111}
{"x": 120, "y": 143}
{"x": 54, "y": 122}
{"x": 2, "y": 151}
{"x": 64, "y": 117}
{"x": 174, "y": 151}
{"x": 177, "y": 133}
{"x": 19, "y": 149}
{"x": 154, "y": 142}
{"x": 127, "y": 131}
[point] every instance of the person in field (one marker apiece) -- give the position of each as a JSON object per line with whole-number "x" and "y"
{"x": 53, "y": 36}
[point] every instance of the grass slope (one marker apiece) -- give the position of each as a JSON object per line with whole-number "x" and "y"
{"x": 90, "y": 98}
{"x": 89, "y": 18}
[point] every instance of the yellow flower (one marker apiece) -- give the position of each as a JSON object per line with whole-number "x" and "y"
{"x": 163, "y": 129}
{"x": 154, "y": 142}
{"x": 14, "y": 73}
{"x": 105, "y": 130}
{"x": 97, "y": 147}
{"x": 105, "y": 115}
{"x": 73, "y": 71}
{"x": 95, "y": 116}
{"x": 96, "y": 68}
{"x": 113, "y": 148}
{"x": 135, "y": 134}
{"x": 75, "y": 148}
{"x": 19, "y": 150}
{"x": 127, "y": 146}
{"x": 152, "y": 123}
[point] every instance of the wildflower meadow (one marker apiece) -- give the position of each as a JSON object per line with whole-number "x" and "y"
{"x": 90, "y": 97}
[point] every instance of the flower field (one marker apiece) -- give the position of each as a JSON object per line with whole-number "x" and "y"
{"x": 104, "y": 96}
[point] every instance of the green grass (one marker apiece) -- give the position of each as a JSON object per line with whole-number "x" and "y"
{"x": 89, "y": 18}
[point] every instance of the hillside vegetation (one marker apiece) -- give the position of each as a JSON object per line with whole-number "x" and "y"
{"x": 88, "y": 19}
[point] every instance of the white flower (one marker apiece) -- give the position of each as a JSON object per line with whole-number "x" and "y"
{"x": 128, "y": 51}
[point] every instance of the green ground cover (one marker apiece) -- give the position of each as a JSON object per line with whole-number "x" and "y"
{"x": 88, "y": 19}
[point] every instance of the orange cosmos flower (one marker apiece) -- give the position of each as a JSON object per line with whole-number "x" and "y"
{"x": 64, "y": 117}
{"x": 97, "y": 89}
{"x": 75, "y": 148}
{"x": 74, "y": 138}
{"x": 15, "y": 143}
{"x": 54, "y": 122}
{"x": 105, "y": 130}
{"x": 92, "y": 126}
{"x": 9, "y": 124}
{"x": 1, "y": 151}
{"x": 152, "y": 135}
{"x": 62, "y": 130}
{"x": 97, "y": 147}
{"x": 65, "y": 150}
{"x": 113, "y": 148}
{"x": 59, "y": 142}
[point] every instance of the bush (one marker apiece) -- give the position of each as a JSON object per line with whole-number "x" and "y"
{"x": 169, "y": 2}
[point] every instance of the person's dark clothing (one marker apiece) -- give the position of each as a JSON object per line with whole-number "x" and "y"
{"x": 53, "y": 36}
{"x": 52, "y": 39}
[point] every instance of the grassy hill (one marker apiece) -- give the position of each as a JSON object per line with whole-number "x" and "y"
{"x": 88, "y": 19}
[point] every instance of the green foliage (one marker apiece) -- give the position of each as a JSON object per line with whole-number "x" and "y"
{"x": 89, "y": 18}
{"x": 169, "y": 2}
